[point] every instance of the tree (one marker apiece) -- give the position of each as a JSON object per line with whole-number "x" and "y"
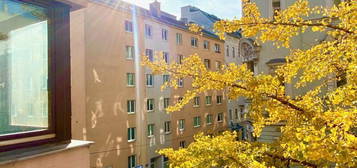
{"x": 319, "y": 126}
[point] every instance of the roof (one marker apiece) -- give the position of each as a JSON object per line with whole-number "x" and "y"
{"x": 164, "y": 18}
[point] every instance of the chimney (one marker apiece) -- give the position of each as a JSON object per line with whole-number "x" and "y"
{"x": 155, "y": 8}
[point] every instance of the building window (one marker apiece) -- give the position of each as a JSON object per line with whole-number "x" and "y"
{"x": 165, "y": 56}
{"x": 250, "y": 66}
{"x": 131, "y": 106}
{"x": 276, "y": 7}
{"x": 165, "y": 78}
{"x": 230, "y": 113}
{"x": 148, "y": 31}
{"x": 207, "y": 63}
{"x": 149, "y": 80}
{"x": 150, "y": 105}
{"x": 179, "y": 59}
{"x": 166, "y": 102}
{"x": 182, "y": 144}
{"x": 196, "y": 101}
{"x": 167, "y": 126}
{"x": 131, "y": 134}
{"x": 179, "y": 100}
{"x": 218, "y": 65}
{"x": 128, "y": 26}
{"x": 206, "y": 44}
{"x": 164, "y": 34}
{"x": 236, "y": 113}
{"x": 209, "y": 119}
{"x": 227, "y": 50}
{"x": 180, "y": 82}
{"x": 150, "y": 130}
{"x": 165, "y": 162}
{"x": 35, "y": 89}
{"x": 197, "y": 121}
{"x": 217, "y": 48}
{"x": 220, "y": 117}
{"x": 233, "y": 52}
{"x": 219, "y": 99}
{"x": 208, "y": 100}
{"x": 130, "y": 78}
{"x": 130, "y": 53}
{"x": 194, "y": 42}
{"x": 132, "y": 161}
{"x": 150, "y": 54}
{"x": 241, "y": 107}
{"x": 181, "y": 124}
{"x": 178, "y": 38}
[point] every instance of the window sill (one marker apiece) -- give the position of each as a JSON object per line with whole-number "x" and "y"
{"x": 149, "y": 86}
{"x": 151, "y": 136}
{"x": 196, "y": 106}
{"x": 167, "y": 133}
{"x": 130, "y": 141}
{"x": 181, "y": 130}
{"x": 150, "y": 111}
{"x": 208, "y": 124}
{"x": 220, "y": 121}
{"x": 130, "y": 86}
{"x": 208, "y": 104}
{"x": 196, "y": 126}
{"x": 43, "y": 150}
{"x": 131, "y": 113}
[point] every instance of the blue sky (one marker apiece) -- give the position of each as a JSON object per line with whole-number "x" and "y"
{"x": 225, "y": 9}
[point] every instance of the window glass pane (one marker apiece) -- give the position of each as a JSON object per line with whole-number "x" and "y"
{"x": 23, "y": 67}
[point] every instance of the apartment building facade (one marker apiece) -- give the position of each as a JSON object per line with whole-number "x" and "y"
{"x": 119, "y": 103}
{"x": 236, "y": 108}
{"x": 266, "y": 57}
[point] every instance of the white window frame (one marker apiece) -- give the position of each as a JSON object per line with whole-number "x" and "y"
{"x": 196, "y": 121}
{"x": 130, "y": 52}
{"x": 217, "y": 48}
{"x": 166, "y": 102}
{"x": 210, "y": 100}
{"x": 194, "y": 42}
{"x": 178, "y": 38}
{"x": 127, "y": 79}
{"x": 220, "y": 115}
{"x": 209, "y": 119}
{"x": 128, "y": 24}
{"x": 149, "y": 80}
{"x": 219, "y": 99}
{"x": 151, "y": 130}
{"x": 130, "y": 161}
{"x": 131, "y": 134}
{"x": 164, "y": 34}
{"x": 167, "y": 127}
{"x": 196, "y": 101}
{"x": 150, "y": 105}
{"x": 131, "y": 106}
{"x": 181, "y": 124}
{"x": 148, "y": 31}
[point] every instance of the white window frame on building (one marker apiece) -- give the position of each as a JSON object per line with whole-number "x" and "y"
{"x": 166, "y": 102}
{"x": 206, "y": 44}
{"x": 180, "y": 82}
{"x": 149, "y": 80}
{"x": 207, "y": 63}
{"x": 132, "y": 161}
{"x": 208, "y": 100}
{"x": 217, "y": 48}
{"x": 196, "y": 121}
{"x": 219, "y": 99}
{"x": 181, "y": 124}
{"x": 131, "y": 134}
{"x": 131, "y": 106}
{"x": 148, "y": 31}
{"x": 178, "y": 38}
{"x": 209, "y": 119}
{"x": 179, "y": 58}
{"x": 196, "y": 101}
{"x": 130, "y": 52}
{"x": 182, "y": 144}
{"x": 150, "y": 54}
{"x": 130, "y": 79}
{"x": 164, "y": 34}
{"x": 166, "y": 57}
{"x": 218, "y": 65}
{"x": 128, "y": 26}
{"x": 151, "y": 130}
{"x": 194, "y": 42}
{"x": 150, "y": 105}
{"x": 220, "y": 117}
{"x": 167, "y": 127}
{"x": 165, "y": 78}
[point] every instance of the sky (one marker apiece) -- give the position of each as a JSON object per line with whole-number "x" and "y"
{"x": 224, "y": 9}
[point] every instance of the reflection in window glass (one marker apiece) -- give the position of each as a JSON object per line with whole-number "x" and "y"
{"x": 23, "y": 67}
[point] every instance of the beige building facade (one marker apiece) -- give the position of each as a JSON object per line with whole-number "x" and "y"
{"x": 119, "y": 103}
